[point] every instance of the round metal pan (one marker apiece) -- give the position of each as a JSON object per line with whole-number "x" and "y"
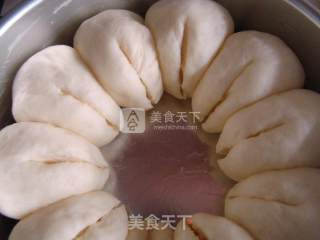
{"x": 36, "y": 24}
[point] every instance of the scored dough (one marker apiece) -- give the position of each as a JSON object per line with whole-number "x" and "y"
{"x": 41, "y": 164}
{"x": 251, "y": 66}
{"x": 210, "y": 227}
{"x": 54, "y": 86}
{"x": 188, "y": 35}
{"x": 95, "y": 215}
{"x": 120, "y": 50}
{"x": 279, "y": 132}
{"x": 278, "y": 205}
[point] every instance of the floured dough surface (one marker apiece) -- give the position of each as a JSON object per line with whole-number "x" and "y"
{"x": 278, "y": 205}
{"x": 188, "y": 35}
{"x": 54, "y": 86}
{"x": 122, "y": 56}
{"x": 279, "y": 132}
{"x": 210, "y": 227}
{"x": 95, "y": 215}
{"x": 250, "y": 66}
{"x": 41, "y": 164}
{"x": 161, "y": 233}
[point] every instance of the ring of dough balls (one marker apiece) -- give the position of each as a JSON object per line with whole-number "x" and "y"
{"x": 223, "y": 74}
{"x": 251, "y": 66}
{"x": 122, "y": 56}
{"x": 279, "y": 132}
{"x": 41, "y": 164}
{"x": 188, "y": 35}
{"x": 278, "y": 205}
{"x": 91, "y": 216}
{"x": 54, "y": 81}
{"x": 210, "y": 227}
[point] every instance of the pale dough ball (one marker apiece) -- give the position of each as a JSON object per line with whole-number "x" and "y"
{"x": 188, "y": 35}
{"x": 91, "y": 216}
{"x": 251, "y": 66}
{"x": 278, "y": 205}
{"x": 162, "y": 233}
{"x": 120, "y": 50}
{"x": 279, "y": 132}
{"x": 41, "y": 164}
{"x": 54, "y": 86}
{"x": 138, "y": 234}
{"x": 210, "y": 227}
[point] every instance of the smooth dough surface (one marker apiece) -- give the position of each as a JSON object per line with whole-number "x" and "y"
{"x": 41, "y": 164}
{"x": 54, "y": 86}
{"x": 120, "y": 50}
{"x": 137, "y": 234}
{"x": 91, "y": 216}
{"x": 162, "y": 233}
{"x": 251, "y": 66}
{"x": 279, "y": 132}
{"x": 278, "y": 205}
{"x": 188, "y": 35}
{"x": 210, "y": 227}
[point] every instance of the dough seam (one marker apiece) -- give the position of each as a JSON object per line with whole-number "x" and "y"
{"x": 197, "y": 232}
{"x": 84, "y": 230}
{"x": 56, "y": 162}
{"x": 227, "y": 150}
{"x": 147, "y": 92}
{"x": 183, "y": 57}
{"x": 278, "y": 201}
{"x": 266, "y": 130}
{"x": 227, "y": 91}
{"x": 67, "y": 93}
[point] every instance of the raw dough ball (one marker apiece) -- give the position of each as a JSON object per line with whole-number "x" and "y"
{"x": 54, "y": 86}
{"x": 120, "y": 50}
{"x": 188, "y": 35}
{"x": 41, "y": 164}
{"x": 137, "y": 234}
{"x": 210, "y": 227}
{"x": 251, "y": 66}
{"x": 278, "y": 205}
{"x": 92, "y": 216}
{"x": 153, "y": 234}
{"x": 279, "y": 132}
{"x": 161, "y": 234}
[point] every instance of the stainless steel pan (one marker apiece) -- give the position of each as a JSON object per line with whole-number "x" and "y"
{"x": 36, "y": 24}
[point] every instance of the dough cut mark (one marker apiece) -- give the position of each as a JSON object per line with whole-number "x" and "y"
{"x": 206, "y": 69}
{"x": 80, "y": 235}
{"x": 130, "y": 62}
{"x": 196, "y": 231}
{"x": 183, "y": 56}
{"x": 226, "y": 150}
{"x": 148, "y": 96}
{"x": 266, "y": 130}
{"x": 57, "y": 162}
{"x": 278, "y": 201}
{"x": 227, "y": 91}
{"x": 68, "y": 94}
